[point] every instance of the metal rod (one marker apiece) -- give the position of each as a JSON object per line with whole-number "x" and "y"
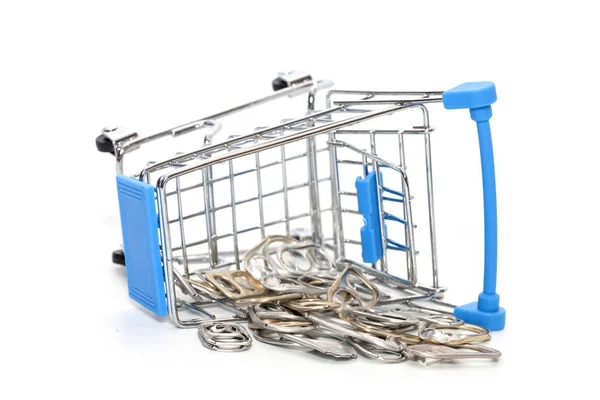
{"x": 414, "y": 131}
{"x": 261, "y": 212}
{"x": 338, "y": 230}
{"x": 239, "y": 202}
{"x": 371, "y": 93}
{"x": 402, "y": 160}
{"x": 383, "y": 259}
{"x": 313, "y": 176}
{"x": 313, "y": 190}
{"x": 410, "y": 240}
{"x": 350, "y": 162}
{"x": 208, "y": 150}
{"x": 241, "y": 231}
{"x": 128, "y": 146}
{"x": 197, "y": 309}
{"x": 293, "y": 137}
{"x": 391, "y": 279}
{"x": 390, "y": 101}
{"x": 210, "y": 217}
{"x": 217, "y": 154}
{"x": 350, "y": 211}
{"x": 248, "y": 171}
{"x": 290, "y": 91}
{"x": 430, "y": 202}
{"x": 167, "y": 254}
{"x": 286, "y": 205}
{"x": 181, "y": 229}
{"x": 427, "y": 296}
{"x": 233, "y": 215}
{"x": 209, "y": 122}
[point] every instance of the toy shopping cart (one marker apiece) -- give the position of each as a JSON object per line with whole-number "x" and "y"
{"x": 336, "y": 176}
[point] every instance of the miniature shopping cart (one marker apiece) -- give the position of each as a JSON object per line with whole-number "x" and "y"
{"x": 337, "y": 176}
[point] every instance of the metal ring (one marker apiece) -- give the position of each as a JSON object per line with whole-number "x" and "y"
{"x": 344, "y": 329}
{"x": 377, "y": 353}
{"x": 205, "y": 287}
{"x": 372, "y": 317}
{"x": 425, "y": 315}
{"x": 433, "y": 334}
{"x": 279, "y": 321}
{"x": 236, "y": 284}
{"x": 325, "y": 344}
{"x": 268, "y": 299}
{"x": 267, "y": 252}
{"x": 290, "y": 249}
{"x": 343, "y": 286}
{"x": 311, "y": 253}
{"x": 427, "y": 352}
{"x": 257, "y": 253}
{"x": 312, "y": 305}
{"x": 226, "y": 337}
{"x": 290, "y": 284}
{"x": 404, "y": 337}
{"x": 273, "y": 338}
{"x": 316, "y": 251}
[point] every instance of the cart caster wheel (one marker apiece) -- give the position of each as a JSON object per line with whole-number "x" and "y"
{"x": 118, "y": 257}
{"x": 279, "y": 83}
{"x": 104, "y": 144}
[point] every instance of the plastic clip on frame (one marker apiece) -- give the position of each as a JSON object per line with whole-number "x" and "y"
{"x": 166, "y": 234}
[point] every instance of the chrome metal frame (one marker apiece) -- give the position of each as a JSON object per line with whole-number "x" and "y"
{"x": 200, "y": 163}
{"x": 322, "y": 132}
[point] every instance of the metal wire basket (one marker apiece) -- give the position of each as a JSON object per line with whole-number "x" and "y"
{"x": 337, "y": 176}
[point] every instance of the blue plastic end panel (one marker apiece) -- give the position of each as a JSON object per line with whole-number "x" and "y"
{"x": 139, "y": 223}
{"x": 368, "y": 206}
{"x": 470, "y": 95}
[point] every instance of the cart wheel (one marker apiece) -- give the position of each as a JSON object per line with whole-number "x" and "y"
{"x": 118, "y": 257}
{"x": 278, "y": 84}
{"x": 104, "y": 144}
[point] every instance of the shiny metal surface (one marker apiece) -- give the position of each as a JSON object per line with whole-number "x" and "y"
{"x": 236, "y": 284}
{"x": 376, "y": 353}
{"x": 312, "y": 305}
{"x": 423, "y": 315}
{"x": 379, "y": 319}
{"x": 344, "y": 289}
{"x": 205, "y": 287}
{"x": 438, "y": 334}
{"x": 286, "y": 297}
{"x": 124, "y": 143}
{"x": 226, "y": 337}
{"x": 431, "y": 353}
{"x": 274, "y": 338}
{"x": 342, "y": 328}
{"x": 382, "y": 332}
{"x": 279, "y": 321}
{"x": 283, "y": 264}
{"x": 227, "y": 212}
{"x": 322, "y": 343}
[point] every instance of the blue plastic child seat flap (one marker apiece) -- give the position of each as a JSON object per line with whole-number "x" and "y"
{"x": 368, "y": 206}
{"x": 139, "y": 223}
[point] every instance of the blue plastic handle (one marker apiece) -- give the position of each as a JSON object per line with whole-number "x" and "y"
{"x": 478, "y": 98}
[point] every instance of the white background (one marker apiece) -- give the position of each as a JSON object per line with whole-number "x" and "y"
{"x": 69, "y": 68}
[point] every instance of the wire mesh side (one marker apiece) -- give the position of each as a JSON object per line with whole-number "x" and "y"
{"x": 243, "y": 189}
